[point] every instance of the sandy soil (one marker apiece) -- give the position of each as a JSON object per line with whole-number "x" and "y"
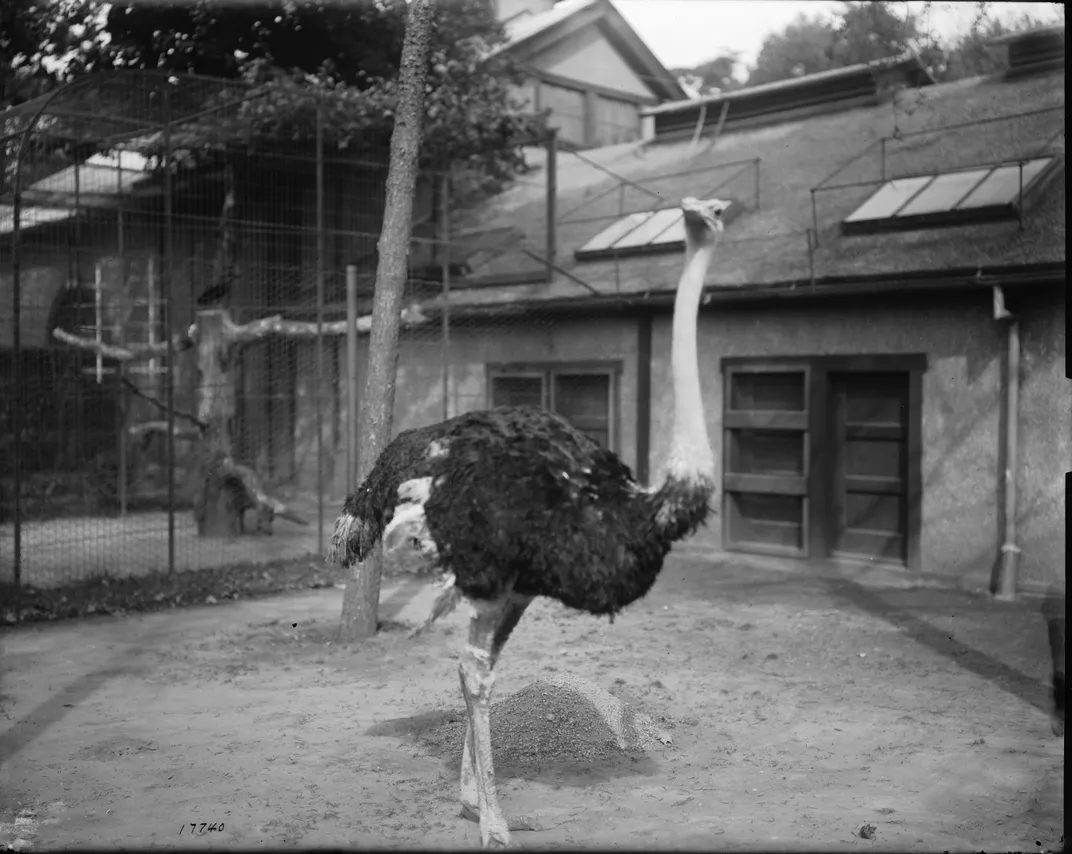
{"x": 801, "y": 708}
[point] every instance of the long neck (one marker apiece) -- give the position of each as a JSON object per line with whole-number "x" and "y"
{"x": 690, "y": 455}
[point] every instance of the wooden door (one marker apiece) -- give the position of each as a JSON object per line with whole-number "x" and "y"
{"x": 765, "y": 447}
{"x": 870, "y": 476}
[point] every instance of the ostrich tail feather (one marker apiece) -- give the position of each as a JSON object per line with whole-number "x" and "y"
{"x": 351, "y": 540}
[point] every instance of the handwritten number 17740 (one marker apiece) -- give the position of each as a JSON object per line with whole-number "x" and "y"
{"x": 201, "y": 828}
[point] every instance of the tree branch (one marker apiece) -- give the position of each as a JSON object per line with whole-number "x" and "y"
{"x": 109, "y": 351}
{"x": 411, "y": 316}
{"x": 251, "y": 483}
{"x": 144, "y": 427}
{"x": 130, "y": 353}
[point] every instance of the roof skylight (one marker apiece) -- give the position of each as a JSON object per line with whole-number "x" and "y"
{"x": 952, "y": 198}
{"x": 643, "y": 233}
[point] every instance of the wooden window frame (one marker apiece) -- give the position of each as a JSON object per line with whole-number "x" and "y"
{"x": 591, "y": 92}
{"x": 817, "y": 539}
{"x": 611, "y": 368}
{"x": 527, "y": 375}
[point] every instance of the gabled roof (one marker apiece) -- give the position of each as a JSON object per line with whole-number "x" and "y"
{"x": 530, "y": 34}
{"x": 983, "y": 120}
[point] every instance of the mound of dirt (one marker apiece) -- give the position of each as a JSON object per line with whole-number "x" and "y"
{"x": 561, "y": 720}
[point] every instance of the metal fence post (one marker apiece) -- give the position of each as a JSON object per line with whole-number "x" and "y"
{"x": 319, "y": 329}
{"x": 169, "y": 373}
{"x": 444, "y": 248}
{"x": 16, "y": 369}
{"x": 120, "y": 369}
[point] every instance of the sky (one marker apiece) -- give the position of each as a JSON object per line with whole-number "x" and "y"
{"x": 684, "y": 33}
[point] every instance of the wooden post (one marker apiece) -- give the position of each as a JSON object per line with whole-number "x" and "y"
{"x": 351, "y": 378}
{"x": 361, "y": 600}
{"x": 552, "y": 194}
{"x": 125, "y": 400}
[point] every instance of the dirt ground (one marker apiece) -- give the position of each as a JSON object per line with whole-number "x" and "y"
{"x": 801, "y": 708}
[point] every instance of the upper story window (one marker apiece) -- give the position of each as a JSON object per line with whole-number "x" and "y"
{"x": 982, "y": 194}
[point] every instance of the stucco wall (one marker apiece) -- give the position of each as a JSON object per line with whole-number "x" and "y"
{"x": 419, "y": 392}
{"x": 1045, "y": 442}
{"x": 962, "y": 457}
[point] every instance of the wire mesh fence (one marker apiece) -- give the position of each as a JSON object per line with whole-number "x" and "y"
{"x": 175, "y": 379}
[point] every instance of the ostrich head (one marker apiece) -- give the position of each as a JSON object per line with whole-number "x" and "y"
{"x": 703, "y": 220}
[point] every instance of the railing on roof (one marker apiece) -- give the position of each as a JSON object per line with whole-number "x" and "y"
{"x": 628, "y": 191}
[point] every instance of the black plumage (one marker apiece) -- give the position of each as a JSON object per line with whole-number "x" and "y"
{"x": 521, "y": 500}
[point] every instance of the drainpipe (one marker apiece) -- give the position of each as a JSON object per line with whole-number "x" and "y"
{"x": 1010, "y": 552}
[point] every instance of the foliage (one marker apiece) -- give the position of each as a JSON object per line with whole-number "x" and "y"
{"x": 805, "y": 46}
{"x": 716, "y": 73}
{"x": 859, "y": 33}
{"x": 975, "y": 53}
{"x": 294, "y": 54}
{"x": 43, "y": 42}
{"x": 863, "y": 32}
{"x": 344, "y": 57}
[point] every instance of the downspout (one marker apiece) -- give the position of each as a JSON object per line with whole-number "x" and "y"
{"x": 1010, "y": 552}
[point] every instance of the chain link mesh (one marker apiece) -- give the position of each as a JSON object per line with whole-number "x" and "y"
{"x": 132, "y": 207}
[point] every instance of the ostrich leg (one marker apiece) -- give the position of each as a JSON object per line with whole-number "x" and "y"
{"x": 490, "y": 624}
{"x": 509, "y": 617}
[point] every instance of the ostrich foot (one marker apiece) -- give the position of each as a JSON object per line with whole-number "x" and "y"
{"x": 514, "y": 822}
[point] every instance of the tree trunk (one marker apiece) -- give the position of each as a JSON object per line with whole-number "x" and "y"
{"x": 226, "y": 490}
{"x": 218, "y": 508}
{"x": 361, "y": 600}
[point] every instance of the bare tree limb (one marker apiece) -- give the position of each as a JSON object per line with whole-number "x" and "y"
{"x": 411, "y": 316}
{"x": 252, "y": 485}
{"x": 129, "y": 353}
{"x": 239, "y": 334}
{"x": 162, "y": 427}
{"x": 109, "y": 351}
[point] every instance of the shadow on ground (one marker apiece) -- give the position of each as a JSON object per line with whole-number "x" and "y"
{"x": 1002, "y": 642}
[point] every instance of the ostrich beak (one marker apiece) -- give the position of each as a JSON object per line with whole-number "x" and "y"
{"x": 706, "y": 213}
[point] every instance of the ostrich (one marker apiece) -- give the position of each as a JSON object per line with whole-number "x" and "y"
{"x": 514, "y": 503}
